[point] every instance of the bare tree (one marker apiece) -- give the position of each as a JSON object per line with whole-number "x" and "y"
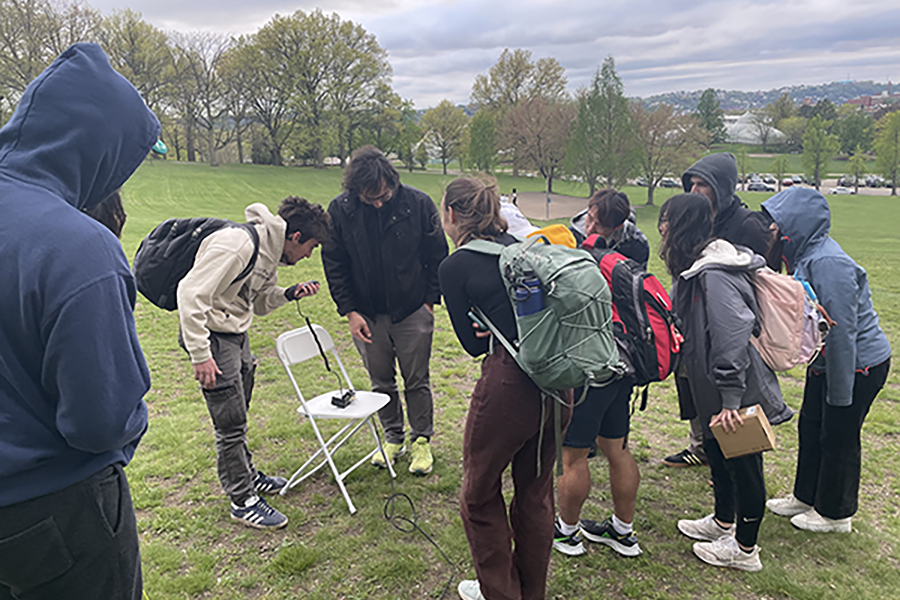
{"x": 539, "y": 132}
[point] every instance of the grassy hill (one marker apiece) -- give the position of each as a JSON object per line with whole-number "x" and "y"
{"x": 191, "y": 549}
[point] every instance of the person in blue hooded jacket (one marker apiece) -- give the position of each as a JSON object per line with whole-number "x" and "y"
{"x": 844, "y": 380}
{"x": 72, "y": 374}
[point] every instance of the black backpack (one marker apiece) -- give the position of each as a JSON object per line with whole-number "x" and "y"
{"x": 167, "y": 254}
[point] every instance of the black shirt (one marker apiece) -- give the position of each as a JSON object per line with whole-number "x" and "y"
{"x": 471, "y": 279}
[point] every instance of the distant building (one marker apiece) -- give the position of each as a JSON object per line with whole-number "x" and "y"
{"x": 740, "y": 129}
{"x": 873, "y": 103}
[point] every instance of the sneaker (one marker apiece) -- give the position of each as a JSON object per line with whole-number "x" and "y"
{"x": 469, "y": 590}
{"x": 268, "y": 485}
{"x": 685, "y": 458}
{"x": 393, "y": 451}
{"x": 570, "y": 545}
{"x": 725, "y": 552}
{"x": 257, "y": 513}
{"x": 422, "y": 461}
{"x": 813, "y": 521}
{"x": 705, "y": 529}
{"x": 787, "y": 507}
{"x": 605, "y": 533}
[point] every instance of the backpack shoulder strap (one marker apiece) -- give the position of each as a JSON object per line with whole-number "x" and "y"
{"x": 254, "y": 235}
{"x": 483, "y": 247}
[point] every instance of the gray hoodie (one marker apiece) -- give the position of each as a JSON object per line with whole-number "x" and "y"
{"x": 716, "y": 302}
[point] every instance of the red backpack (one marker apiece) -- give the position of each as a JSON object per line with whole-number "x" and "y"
{"x": 643, "y": 321}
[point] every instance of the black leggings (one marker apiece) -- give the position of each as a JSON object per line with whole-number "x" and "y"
{"x": 740, "y": 490}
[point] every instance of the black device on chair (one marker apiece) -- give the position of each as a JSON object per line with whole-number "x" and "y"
{"x": 344, "y": 400}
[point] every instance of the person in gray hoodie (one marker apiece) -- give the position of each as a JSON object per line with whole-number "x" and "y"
{"x": 714, "y": 297}
{"x": 844, "y": 380}
{"x": 715, "y": 177}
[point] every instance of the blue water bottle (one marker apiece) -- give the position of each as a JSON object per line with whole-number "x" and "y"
{"x": 529, "y": 297}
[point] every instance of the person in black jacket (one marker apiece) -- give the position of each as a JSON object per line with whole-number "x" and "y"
{"x": 715, "y": 177}
{"x": 382, "y": 272}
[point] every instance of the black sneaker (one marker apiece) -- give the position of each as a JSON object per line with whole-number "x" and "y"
{"x": 268, "y": 485}
{"x": 569, "y": 545}
{"x": 685, "y": 458}
{"x": 605, "y": 533}
{"x": 257, "y": 513}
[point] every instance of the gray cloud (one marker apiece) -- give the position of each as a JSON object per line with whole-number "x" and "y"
{"x": 437, "y": 47}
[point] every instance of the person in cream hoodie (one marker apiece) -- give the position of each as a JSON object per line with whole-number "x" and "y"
{"x": 216, "y": 309}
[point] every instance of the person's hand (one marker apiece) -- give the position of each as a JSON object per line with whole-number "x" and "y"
{"x": 206, "y": 373}
{"x": 430, "y": 308}
{"x": 302, "y": 290}
{"x": 729, "y": 419}
{"x": 479, "y": 332}
{"x": 359, "y": 328}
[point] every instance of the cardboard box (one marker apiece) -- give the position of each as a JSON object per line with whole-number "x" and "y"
{"x": 755, "y": 435}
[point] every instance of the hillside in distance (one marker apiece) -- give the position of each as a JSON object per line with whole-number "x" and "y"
{"x": 837, "y": 92}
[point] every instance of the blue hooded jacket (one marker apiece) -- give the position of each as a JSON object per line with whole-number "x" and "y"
{"x": 72, "y": 375}
{"x": 856, "y": 342}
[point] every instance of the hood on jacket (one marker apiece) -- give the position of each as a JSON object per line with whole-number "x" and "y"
{"x": 720, "y": 172}
{"x": 724, "y": 254}
{"x": 577, "y": 223}
{"x": 80, "y": 129}
{"x": 803, "y": 217}
{"x": 272, "y": 245}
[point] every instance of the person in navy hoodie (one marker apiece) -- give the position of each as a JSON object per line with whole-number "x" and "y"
{"x": 844, "y": 380}
{"x": 72, "y": 374}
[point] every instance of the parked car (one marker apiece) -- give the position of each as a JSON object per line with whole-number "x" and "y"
{"x": 875, "y": 181}
{"x": 769, "y": 178}
{"x": 841, "y": 190}
{"x": 797, "y": 179}
{"x": 787, "y": 182}
{"x": 668, "y": 182}
{"x": 847, "y": 181}
{"x": 759, "y": 186}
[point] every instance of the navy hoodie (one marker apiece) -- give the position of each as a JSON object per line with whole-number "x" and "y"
{"x": 72, "y": 375}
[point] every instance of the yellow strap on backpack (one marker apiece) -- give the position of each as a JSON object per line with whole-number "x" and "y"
{"x": 558, "y": 234}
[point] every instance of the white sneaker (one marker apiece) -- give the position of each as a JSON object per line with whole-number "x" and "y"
{"x": 469, "y": 590}
{"x": 787, "y": 507}
{"x": 813, "y": 521}
{"x": 725, "y": 552}
{"x": 705, "y": 529}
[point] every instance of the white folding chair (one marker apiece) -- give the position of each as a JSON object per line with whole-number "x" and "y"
{"x": 297, "y": 346}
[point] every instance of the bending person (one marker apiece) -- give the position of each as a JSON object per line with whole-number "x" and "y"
{"x": 511, "y": 550}
{"x": 843, "y": 382}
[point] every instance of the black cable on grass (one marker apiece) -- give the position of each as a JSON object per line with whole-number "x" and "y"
{"x": 398, "y": 521}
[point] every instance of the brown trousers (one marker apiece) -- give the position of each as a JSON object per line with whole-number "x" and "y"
{"x": 511, "y": 551}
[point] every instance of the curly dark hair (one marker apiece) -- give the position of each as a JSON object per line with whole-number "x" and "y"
{"x": 309, "y": 219}
{"x": 689, "y": 219}
{"x": 367, "y": 169}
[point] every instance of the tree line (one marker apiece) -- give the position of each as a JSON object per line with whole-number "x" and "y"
{"x": 310, "y": 85}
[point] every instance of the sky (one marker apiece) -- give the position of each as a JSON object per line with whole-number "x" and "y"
{"x": 437, "y": 47}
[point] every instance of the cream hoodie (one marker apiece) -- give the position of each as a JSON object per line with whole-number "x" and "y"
{"x": 208, "y": 297}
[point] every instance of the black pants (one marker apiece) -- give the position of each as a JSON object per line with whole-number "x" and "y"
{"x": 830, "y": 456}
{"x": 739, "y": 489}
{"x": 80, "y": 542}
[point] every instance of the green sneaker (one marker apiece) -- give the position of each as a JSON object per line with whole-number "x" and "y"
{"x": 422, "y": 460}
{"x": 393, "y": 451}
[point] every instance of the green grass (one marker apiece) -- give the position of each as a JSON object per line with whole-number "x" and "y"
{"x": 763, "y": 164}
{"x": 191, "y": 549}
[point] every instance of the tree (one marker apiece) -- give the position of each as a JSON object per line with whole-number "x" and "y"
{"x": 779, "y": 168}
{"x": 857, "y": 166}
{"x": 583, "y": 156}
{"x": 856, "y": 129}
{"x": 140, "y": 52}
{"x": 763, "y": 125}
{"x": 445, "y": 128}
{"x": 482, "y": 141}
{"x": 615, "y": 139}
{"x": 783, "y": 108}
{"x": 538, "y": 131}
{"x": 741, "y": 159}
{"x": 712, "y": 117}
{"x": 668, "y": 142}
{"x": 818, "y": 147}
{"x": 887, "y": 147}
{"x": 793, "y": 129}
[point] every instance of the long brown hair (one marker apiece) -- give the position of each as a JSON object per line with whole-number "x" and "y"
{"x": 690, "y": 229}
{"x": 476, "y": 204}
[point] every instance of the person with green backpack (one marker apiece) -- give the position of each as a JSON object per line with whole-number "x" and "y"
{"x": 506, "y": 423}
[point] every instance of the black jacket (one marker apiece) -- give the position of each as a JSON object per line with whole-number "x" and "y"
{"x": 412, "y": 245}
{"x": 734, "y": 221}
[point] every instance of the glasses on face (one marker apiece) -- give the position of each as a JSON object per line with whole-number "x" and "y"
{"x": 383, "y": 197}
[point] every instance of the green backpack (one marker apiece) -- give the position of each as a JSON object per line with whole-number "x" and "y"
{"x": 563, "y": 311}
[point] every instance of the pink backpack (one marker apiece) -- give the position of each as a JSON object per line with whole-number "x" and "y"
{"x": 793, "y": 324}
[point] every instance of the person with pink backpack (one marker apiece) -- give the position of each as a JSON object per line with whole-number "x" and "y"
{"x": 844, "y": 380}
